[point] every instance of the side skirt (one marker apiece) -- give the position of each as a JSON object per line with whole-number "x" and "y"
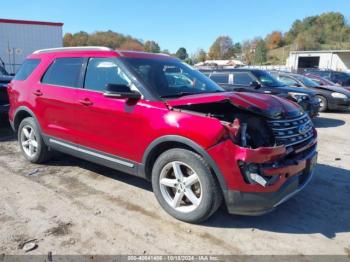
{"x": 94, "y": 156}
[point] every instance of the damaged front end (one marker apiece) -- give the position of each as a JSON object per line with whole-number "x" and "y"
{"x": 260, "y": 156}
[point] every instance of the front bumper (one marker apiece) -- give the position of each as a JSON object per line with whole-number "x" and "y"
{"x": 311, "y": 107}
{"x": 258, "y": 203}
{"x": 288, "y": 171}
{"x": 339, "y": 104}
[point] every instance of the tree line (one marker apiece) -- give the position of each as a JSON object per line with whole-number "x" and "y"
{"x": 326, "y": 31}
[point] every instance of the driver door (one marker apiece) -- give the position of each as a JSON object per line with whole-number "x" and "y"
{"x": 243, "y": 81}
{"x": 108, "y": 125}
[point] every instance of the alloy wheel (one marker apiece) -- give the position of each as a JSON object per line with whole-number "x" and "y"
{"x": 180, "y": 186}
{"x": 29, "y": 141}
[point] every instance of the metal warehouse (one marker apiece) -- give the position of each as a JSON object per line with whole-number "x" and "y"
{"x": 338, "y": 60}
{"x": 19, "y": 38}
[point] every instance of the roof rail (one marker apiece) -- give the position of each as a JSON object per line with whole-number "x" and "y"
{"x": 135, "y": 51}
{"x": 75, "y": 48}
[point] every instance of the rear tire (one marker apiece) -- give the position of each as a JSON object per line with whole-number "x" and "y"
{"x": 323, "y": 104}
{"x": 184, "y": 186}
{"x": 31, "y": 142}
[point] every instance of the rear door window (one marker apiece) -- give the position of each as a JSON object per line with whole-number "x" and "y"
{"x": 242, "y": 78}
{"x": 220, "y": 78}
{"x": 288, "y": 81}
{"x": 26, "y": 69}
{"x": 65, "y": 72}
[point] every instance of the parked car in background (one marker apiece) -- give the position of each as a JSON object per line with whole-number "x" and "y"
{"x": 197, "y": 143}
{"x": 336, "y": 77}
{"x": 260, "y": 81}
{"x": 331, "y": 97}
{"x": 5, "y": 78}
{"x": 323, "y": 81}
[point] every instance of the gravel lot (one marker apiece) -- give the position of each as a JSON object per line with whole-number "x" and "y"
{"x": 70, "y": 206}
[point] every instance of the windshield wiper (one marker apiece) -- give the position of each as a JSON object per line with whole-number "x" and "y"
{"x": 189, "y": 93}
{"x": 178, "y": 94}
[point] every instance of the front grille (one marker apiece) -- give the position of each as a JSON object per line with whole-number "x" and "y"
{"x": 293, "y": 131}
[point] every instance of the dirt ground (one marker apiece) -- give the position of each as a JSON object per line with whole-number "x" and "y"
{"x": 70, "y": 206}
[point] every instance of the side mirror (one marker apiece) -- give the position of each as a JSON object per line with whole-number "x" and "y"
{"x": 254, "y": 84}
{"x": 121, "y": 91}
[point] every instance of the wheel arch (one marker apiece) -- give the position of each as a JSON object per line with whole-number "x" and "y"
{"x": 21, "y": 113}
{"x": 325, "y": 98}
{"x": 162, "y": 144}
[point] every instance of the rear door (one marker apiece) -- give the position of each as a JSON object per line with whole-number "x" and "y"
{"x": 55, "y": 97}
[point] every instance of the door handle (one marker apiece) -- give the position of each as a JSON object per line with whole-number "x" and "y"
{"x": 86, "y": 102}
{"x": 38, "y": 92}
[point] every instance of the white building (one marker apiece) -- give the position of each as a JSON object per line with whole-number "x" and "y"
{"x": 338, "y": 60}
{"x": 19, "y": 38}
{"x": 221, "y": 63}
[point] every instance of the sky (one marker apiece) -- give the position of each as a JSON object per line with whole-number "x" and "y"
{"x": 191, "y": 24}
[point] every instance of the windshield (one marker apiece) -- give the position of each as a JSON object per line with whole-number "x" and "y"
{"x": 321, "y": 81}
{"x": 306, "y": 81}
{"x": 171, "y": 78}
{"x": 267, "y": 79}
{"x": 2, "y": 71}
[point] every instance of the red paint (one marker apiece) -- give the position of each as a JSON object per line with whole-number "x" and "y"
{"x": 28, "y": 22}
{"x": 125, "y": 129}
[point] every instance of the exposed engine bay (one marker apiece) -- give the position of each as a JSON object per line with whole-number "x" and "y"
{"x": 246, "y": 128}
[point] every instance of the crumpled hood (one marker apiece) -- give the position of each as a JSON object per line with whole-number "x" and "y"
{"x": 267, "y": 105}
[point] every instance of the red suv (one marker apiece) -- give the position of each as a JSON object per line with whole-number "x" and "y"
{"x": 152, "y": 116}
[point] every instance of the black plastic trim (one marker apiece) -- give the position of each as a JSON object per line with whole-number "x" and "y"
{"x": 92, "y": 155}
{"x": 27, "y": 110}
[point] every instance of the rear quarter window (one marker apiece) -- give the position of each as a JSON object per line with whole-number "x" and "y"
{"x": 242, "y": 78}
{"x": 26, "y": 69}
{"x": 220, "y": 78}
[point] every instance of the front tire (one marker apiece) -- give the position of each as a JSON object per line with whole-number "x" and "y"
{"x": 323, "y": 104}
{"x": 184, "y": 186}
{"x": 31, "y": 142}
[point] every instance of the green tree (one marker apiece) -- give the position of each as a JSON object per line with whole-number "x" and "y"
{"x": 81, "y": 38}
{"x": 221, "y": 48}
{"x": 306, "y": 41}
{"x": 328, "y": 29}
{"x": 152, "y": 47}
{"x": 166, "y": 51}
{"x": 260, "y": 54}
{"x": 237, "y": 49}
{"x": 181, "y": 53}
{"x": 189, "y": 61}
{"x": 200, "y": 56}
{"x": 68, "y": 39}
